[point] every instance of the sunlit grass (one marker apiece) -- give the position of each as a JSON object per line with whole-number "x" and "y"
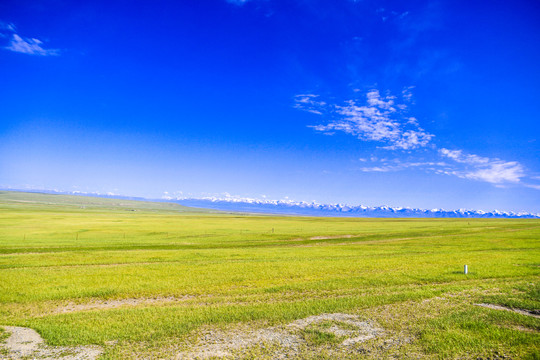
{"x": 228, "y": 268}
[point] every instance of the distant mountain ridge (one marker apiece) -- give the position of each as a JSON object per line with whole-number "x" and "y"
{"x": 287, "y": 207}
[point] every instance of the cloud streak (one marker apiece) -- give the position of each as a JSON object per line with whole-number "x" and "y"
{"x": 23, "y": 45}
{"x": 457, "y": 163}
{"x": 495, "y": 171}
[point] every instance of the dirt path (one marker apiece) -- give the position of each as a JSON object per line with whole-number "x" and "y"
{"x": 112, "y": 304}
{"x": 519, "y": 311}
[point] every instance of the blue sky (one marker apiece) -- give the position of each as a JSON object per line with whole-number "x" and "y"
{"x": 429, "y": 104}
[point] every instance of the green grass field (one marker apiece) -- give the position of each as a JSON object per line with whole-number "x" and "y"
{"x": 140, "y": 278}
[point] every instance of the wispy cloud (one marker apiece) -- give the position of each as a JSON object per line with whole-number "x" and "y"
{"x": 7, "y": 27}
{"x": 407, "y": 93}
{"x": 385, "y": 119}
{"x": 20, "y": 44}
{"x": 377, "y": 118}
{"x": 390, "y": 165}
{"x": 309, "y": 102}
{"x": 30, "y": 46}
{"x": 456, "y": 163}
{"x": 460, "y": 157}
{"x": 492, "y": 170}
{"x": 386, "y": 15}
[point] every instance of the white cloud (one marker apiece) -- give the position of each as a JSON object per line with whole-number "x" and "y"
{"x": 411, "y": 139}
{"x": 498, "y": 172}
{"x": 384, "y": 119}
{"x": 495, "y": 171}
{"x": 380, "y": 118}
{"x": 29, "y": 46}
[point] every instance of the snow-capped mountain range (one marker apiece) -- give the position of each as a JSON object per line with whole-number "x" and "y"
{"x": 289, "y": 207}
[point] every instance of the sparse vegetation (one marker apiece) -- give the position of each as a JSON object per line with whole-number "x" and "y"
{"x": 318, "y": 337}
{"x": 164, "y": 272}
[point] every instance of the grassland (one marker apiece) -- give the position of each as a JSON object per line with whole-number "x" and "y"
{"x": 141, "y": 278}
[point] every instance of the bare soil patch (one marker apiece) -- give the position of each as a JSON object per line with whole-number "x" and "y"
{"x": 524, "y": 329}
{"x": 287, "y": 341}
{"x": 357, "y": 331}
{"x": 25, "y": 343}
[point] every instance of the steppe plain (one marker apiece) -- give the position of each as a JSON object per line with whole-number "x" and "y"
{"x": 93, "y": 278}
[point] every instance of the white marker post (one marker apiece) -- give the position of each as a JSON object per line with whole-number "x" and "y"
{"x": 466, "y": 270}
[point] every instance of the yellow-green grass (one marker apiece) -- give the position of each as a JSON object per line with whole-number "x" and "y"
{"x": 224, "y": 268}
